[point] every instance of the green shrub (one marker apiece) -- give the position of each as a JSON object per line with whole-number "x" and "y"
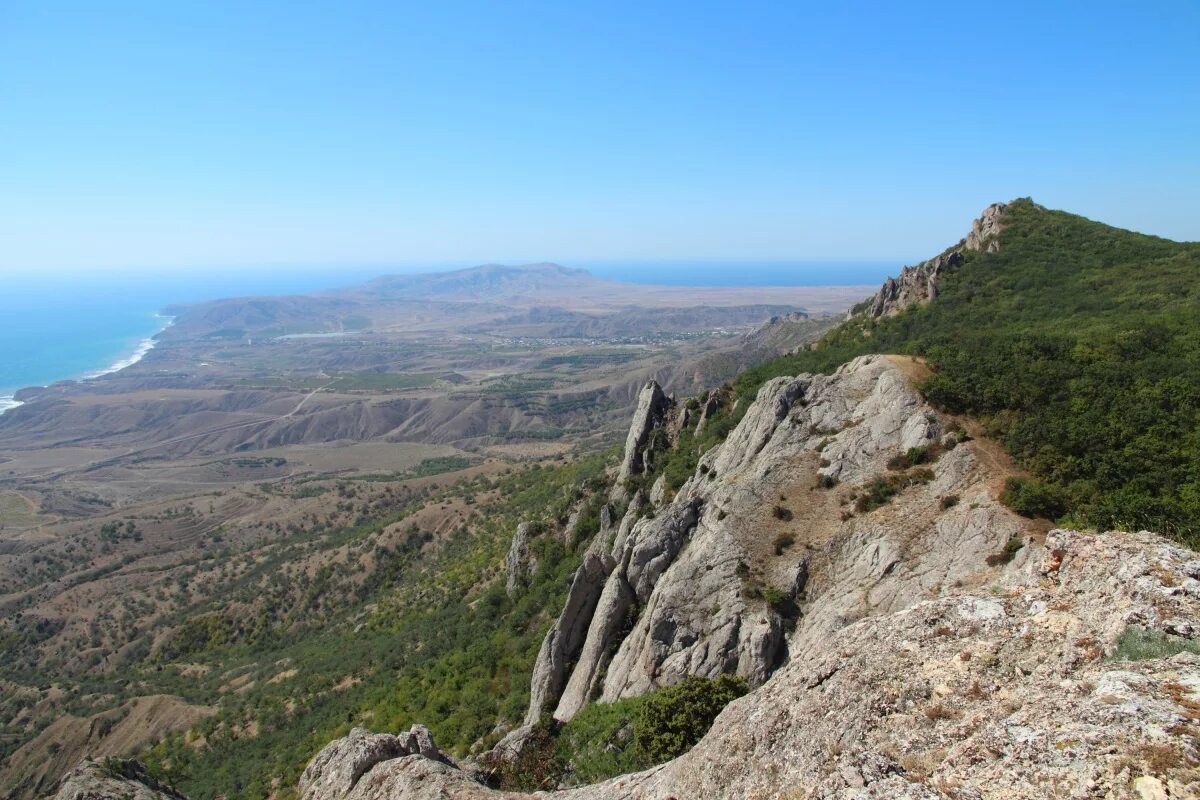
{"x": 1011, "y": 548}
{"x": 1139, "y": 644}
{"x": 949, "y": 501}
{"x": 878, "y": 493}
{"x": 673, "y": 719}
{"x": 781, "y": 602}
{"x": 782, "y": 542}
{"x": 1030, "y": 497}
{"x": 536, "y": 768}
{"x": 599, "y": 742}
{"x": 912, "y": 457}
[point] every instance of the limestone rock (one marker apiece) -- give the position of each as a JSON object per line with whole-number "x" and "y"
{"x": 986, "y": 228}
{"x": 585, "y": 681}
{"x": 113, "y": 779}
{"x": 566, "y": 637}
{"x": 708, "y": 409}
{"x": 649, "y": 414}
{"x": 908, "y": 703}
{"x": 658, "y": 491}
{"x": 520, "y": 563}
{"x": 335, "y": 770}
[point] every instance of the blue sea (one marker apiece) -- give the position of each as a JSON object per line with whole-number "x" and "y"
{"x": 57, "y": 327}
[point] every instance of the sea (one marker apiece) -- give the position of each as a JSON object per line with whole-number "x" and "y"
{"x": 57, "y": 326}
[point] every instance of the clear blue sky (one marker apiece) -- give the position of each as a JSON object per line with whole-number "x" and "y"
{"x": 214, "y": 133}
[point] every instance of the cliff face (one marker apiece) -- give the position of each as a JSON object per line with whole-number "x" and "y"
{"x": 694, "y": 574}
{"x": 919, "y": 285}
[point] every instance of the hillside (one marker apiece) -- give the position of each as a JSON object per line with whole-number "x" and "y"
{"x": 835, "y": 530}
{"x": 1077, "y": 345}
{"x": 843, "y": 553}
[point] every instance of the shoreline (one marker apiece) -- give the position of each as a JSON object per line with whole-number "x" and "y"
{"x": 8, "y": 402}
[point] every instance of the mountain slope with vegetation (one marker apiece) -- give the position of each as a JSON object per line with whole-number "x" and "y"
{"x": 1078, "y": 345}
{"x": 791, "y": 527}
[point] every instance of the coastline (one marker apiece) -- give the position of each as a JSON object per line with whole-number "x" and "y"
{"x": 9, "y": 402}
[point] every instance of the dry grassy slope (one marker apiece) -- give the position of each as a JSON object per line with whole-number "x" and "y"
{"x": 36, "y": 768}
{"x": 122, "y": 597}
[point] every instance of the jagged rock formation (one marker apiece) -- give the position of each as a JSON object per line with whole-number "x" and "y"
{"x": 682, "y": 592}
{"x": 918, "y": 285}
{"x": 1000, "y": 688}
{"x": 566, "y": 636}
{"x": 650, "y": 414}
{"x": 113, "y": 779}
{"x": 520, "y": 563}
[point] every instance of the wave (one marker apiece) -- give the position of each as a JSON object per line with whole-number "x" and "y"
{"x": 144, "y": 347}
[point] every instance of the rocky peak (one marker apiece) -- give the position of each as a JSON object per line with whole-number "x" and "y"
{"x": 520, "y": 563}
{"x": 986, "y": 228}
{"x": 650, "y": 415}
{"x": 918, "y": 285}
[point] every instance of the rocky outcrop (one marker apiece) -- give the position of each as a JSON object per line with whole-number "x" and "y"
{"x": 113, "y": 779}
{"x": 684, "y": 590}
{"x": 566, "y": 637}
{"x": 1009, "y": 686}
{"x": 709, "y": 405}
{"x": 985, "y": 229}
{"x": 520, "y": 563}
{"x": 945, "y": 647}
{"x": 919, "y": 285}
{"x": 651, "y": 408}
{"x": 337, "y": 770}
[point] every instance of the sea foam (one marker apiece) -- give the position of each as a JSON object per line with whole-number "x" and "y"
{"x": 144, "y": 347}
{"x": 8, "y": 403}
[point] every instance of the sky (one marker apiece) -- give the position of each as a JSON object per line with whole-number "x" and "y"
{"x": 151, "y": 135}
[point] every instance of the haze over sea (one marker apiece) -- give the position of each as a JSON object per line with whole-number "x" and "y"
{"x": 76, "y": 326}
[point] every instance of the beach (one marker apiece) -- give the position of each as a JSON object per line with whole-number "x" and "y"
{"x": 8, "y": 401}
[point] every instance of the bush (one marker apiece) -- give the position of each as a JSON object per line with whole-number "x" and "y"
{"x": 1011, "y": 548}
{"x": 782, "y": 542}
{"x": 599, "y": 742}
{"x": 911, "y": 458}
{"x": 536, "y": 768}
{"x": 949, "y": 501}
{"x": 879, "y": 493}
{"x": 1030, "y": 497}
{"x": 673, "y": 719}
{"x": 781, "y": 513}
